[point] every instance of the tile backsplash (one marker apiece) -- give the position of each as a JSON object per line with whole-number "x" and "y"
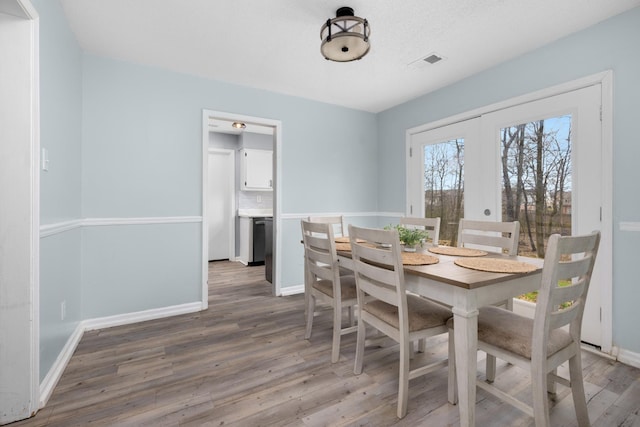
{"x": 255, "y": 199}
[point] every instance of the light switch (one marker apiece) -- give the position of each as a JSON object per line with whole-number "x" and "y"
{"x": 44, "y": 159}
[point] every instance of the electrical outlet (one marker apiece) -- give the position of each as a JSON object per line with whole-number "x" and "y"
{"x": 63, "y": 310}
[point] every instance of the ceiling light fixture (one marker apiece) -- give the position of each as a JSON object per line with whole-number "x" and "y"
{"x": 346, "y": 37}
{"x": 238, "y": 125}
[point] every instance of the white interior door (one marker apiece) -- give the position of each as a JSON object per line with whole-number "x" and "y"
{"x": 221, "y": 204}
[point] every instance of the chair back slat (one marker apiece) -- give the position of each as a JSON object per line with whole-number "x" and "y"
{"x": 320, "y": 253}
{"x": 501, "y": 235}
{"x": 320, "y": 271}
{"x": 378, "y": 270}
{"x": 567, "y": 293}
{"x": 336, "y": 221}
{"x": 485, "y": 240}
{"x": 379, "y": 283}
{"x": 370, "y": 250}
{"x": 431, "y": 225}
{"x": 581, "y": 252}
{"x": 575, "y": 267}
{"x": 564, "y": 316}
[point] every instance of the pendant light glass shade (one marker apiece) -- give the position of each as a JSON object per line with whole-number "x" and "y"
{"x": 345, "y": 37}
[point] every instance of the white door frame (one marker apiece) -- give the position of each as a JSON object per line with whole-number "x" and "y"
{"x": 21, "y": 108}
{"x": 277, "y": 203}
{"x": 232, "y": 215}
{"x": 606, "y": 242}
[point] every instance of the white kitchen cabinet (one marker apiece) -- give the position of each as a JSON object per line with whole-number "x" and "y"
{"x": 256, "y": 167}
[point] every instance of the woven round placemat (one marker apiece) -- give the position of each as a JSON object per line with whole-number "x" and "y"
{"x": 343, "y": 246}
{"x": 494, "y": 265}
{"x": 345, "y": 239}
{"x": 449, "y": 250}
{"x": 412, "y": 258}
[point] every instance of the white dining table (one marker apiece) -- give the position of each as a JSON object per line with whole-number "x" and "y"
{"x": 465, "y": 291}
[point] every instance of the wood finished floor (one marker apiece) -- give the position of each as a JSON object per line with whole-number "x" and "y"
{"x": 245, "y": 362}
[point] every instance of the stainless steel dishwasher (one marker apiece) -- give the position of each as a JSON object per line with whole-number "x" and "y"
{"x": 268, "y": 249}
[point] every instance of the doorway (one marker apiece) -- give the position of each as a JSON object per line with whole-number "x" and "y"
{"x": 543, "y": 162}
{"x": 211, "y": 122}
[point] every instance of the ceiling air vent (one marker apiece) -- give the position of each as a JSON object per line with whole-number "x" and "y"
{"x": 432, "y": 59}
{"x": 426, "y": 61}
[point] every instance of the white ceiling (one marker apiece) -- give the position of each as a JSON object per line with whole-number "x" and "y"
{"x": 275, "y": 44}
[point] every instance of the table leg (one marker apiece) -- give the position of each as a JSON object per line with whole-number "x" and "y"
{"x": 466, "y": 342}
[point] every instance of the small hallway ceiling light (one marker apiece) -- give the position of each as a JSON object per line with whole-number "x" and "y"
{"x": 238, "y": 125}
{"x": 346, "y": 37}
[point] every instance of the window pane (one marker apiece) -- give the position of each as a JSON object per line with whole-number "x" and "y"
{"x": 536, "y": 180}
{"x": 444, "y": 186}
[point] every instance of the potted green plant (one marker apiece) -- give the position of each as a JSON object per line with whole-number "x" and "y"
{"x": 410, "y": 237}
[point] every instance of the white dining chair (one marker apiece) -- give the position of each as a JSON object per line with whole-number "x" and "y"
{"x": 502, "y": 237}
{"x": 384, "y": 304}
{"x": 431, "y": 225}
{"x": 324, "y": 282}
{"x": 541, "y": 344}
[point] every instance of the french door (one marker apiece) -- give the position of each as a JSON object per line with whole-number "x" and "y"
{"x": 538, "y": 163}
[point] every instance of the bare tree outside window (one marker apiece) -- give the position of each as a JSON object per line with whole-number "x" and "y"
{"x": 536, "y": 180}
{"x": 444, "y": 186}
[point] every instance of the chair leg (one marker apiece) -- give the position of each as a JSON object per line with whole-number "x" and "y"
{"x": 357, "y": 366}
{"x": 453, "y": 380}
{"x": 491, "y": 368}
{"x": 311, "y": 307}
{"x": 552, "y": 385}
{"x": 403, "y": 383}
{"x": 540, "y": 400}
{"x": 422, "y": 345}
{"x": 337, "y": 328}
{"x": 577, "y": 390}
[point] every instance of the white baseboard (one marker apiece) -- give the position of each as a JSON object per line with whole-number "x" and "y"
{"x": 140, "y": 316}
{"x": 292, "y": 290}
{"x": 629, "y": 357}
{"x": 51, "y": 379}
{"x": 53, "y": 376}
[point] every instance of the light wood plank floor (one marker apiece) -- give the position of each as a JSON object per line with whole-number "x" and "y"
{"x": 245, "y": 362}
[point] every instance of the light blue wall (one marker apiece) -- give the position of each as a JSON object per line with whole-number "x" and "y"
{"x": 60, "y": 280}
{"x": 60, "y": 114}
{"x": 133, "y": 268}
{"x": 60, "y": 126}
{"x": 612, "y": 44}
{"x": 141, "y": 157}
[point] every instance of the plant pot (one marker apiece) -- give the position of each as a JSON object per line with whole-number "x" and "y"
{"x": 409, "y": 248}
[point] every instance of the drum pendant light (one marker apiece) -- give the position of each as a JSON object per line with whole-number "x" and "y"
{"x": 346, "y": 37}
